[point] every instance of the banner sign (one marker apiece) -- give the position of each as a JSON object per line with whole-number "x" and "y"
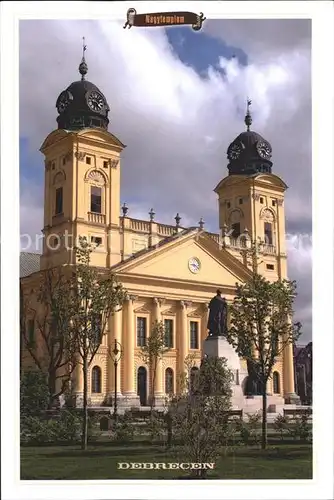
{"x": 164, "y": 19}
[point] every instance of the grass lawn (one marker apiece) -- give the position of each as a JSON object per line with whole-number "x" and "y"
{"x": 281, "y": 461}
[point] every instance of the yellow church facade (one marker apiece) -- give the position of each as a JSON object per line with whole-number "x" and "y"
{"x": 170, "y": 272}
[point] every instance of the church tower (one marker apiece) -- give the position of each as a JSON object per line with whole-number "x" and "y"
{"x": 251, "y": 211}
{"x": 82, "y": 178}
{"x": 251, "y": 202}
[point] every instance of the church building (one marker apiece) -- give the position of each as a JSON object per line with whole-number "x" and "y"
{"x": 169, "y": 271}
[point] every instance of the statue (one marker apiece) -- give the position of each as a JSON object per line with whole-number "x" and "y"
{"x": 217, "y": 322}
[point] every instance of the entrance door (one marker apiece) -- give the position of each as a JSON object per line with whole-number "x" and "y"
{"x": 142, "y": 385}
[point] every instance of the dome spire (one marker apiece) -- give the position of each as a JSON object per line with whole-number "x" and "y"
{"x": 248, "y": 117}
{"x": 83, "y": 68}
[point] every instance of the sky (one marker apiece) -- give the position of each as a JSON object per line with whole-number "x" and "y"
{"x": 177, "y": 100}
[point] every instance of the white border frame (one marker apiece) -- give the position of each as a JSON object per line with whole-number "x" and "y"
{"x": 320, "y": 487}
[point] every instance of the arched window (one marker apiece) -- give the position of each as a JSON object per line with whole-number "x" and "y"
{"x": 276, "y": 383}
{"x": 96, "y": 379}
{"x": 169, "y": 381}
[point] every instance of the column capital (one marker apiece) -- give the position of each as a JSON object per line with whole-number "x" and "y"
{"x": 158, "y": 301}
{"x": 205, "y": 306}
{"x": 185, "y": 303}
{"x": 130, "y": 297}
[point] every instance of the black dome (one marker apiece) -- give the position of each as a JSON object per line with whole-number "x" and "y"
{"x": 82, "y": 105}
{"x": 249, "y": 153}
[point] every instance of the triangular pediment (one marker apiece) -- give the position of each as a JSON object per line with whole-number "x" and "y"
{"x": 257, "y": 180}
{"x": 53, "y": 137}
{"x": 175, "y": 261}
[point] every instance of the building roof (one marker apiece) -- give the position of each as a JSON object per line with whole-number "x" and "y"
{"x": 29, "y": 263}
{"x": 162, "y": 242}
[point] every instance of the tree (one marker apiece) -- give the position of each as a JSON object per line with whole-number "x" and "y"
{"x": 152, "y": 352}
{"x": 261, "y": 328}
{"x": 34, "y": 394}
{"x": 49, "y": 317}
{"x": 95, "y": 296}
{"x": 199, "y": 420}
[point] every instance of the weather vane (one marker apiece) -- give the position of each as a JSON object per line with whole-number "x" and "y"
{"x": 248, "y": 117}
{"x": 84, "y": 47}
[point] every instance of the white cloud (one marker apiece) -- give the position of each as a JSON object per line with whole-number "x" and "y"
{"x": 177, "y": 126}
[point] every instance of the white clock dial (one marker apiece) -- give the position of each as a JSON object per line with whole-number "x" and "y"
{"x": 95, "y": 101}
{"x": 263, "y": 149}
{"x": 194, "y": 265}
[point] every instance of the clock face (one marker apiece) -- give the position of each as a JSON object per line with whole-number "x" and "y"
{"x": 234, "y": 151}
{"x": 63, "y": 101}
{"x": 263, "y": 149}
{"x": 95, "y": 101}
{"x": 194, "y": 265}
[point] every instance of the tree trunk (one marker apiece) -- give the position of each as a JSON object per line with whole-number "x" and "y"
{"x": 153, "y": 387}
{"x": 85, "y": 406}
{"x": 264, "y": 416}
{"x": 52, "y": 388}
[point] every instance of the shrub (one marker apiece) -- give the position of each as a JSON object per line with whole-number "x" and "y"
{"x": 281, "y": 425}
{"x": 35, "y": 430}
{"x": 69, "y": 427}
{"x": 155, "y": 426}
{"x": 249, "y": 430}
{"x": 123, "y": 430}
{"x": 34, "y": 394}
{"x": 300, "y": 428}
{"x": 94, "y": 431}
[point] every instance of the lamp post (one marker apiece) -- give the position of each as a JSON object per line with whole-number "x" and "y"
{"x": 116, "y": 354}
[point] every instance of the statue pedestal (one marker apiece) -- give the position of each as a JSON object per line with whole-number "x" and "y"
{"x": 218, "y": 347}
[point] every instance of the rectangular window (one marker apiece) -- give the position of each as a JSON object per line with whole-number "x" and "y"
{"x": 235, "y": 230}
{"x": 105, "y": 164}
{"x": 88, "y": 160}
{"x": 95, "y": 199}
{"x": 193, "y": 334}
{"x": 141, "y": 332}
{"x": 228, "y": 204}
{"x": 97, "y": 328}
{"x": 273, "y": 202}
{"x": 241, "y": 201}
{"x": 268, "y": 233}
{"x": 271, "y": 267}
{"x": 261, "y": 200}
{"x": 169, "y": 333}
{"x": 31, "y": 331}
{"x": 64, "y": 160}
{"x": 96, "y": 240}
{"x": 59, "y": 201}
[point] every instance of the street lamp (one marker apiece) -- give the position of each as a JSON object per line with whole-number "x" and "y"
{"x": 116, "y": 354}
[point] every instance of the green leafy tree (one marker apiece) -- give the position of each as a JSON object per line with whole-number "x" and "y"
{"x": 46, "y": 333}
{"x": 199, "y": 421}
{"x": 95, "y": 296}
{"x": 152, "y": 352}
{"x": 260, "y": 328}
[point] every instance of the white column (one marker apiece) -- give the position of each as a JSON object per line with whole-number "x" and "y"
{"x": 128, "y": 342}
{"x": 182, "y": 337}
{"x": 204, "y": 325}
